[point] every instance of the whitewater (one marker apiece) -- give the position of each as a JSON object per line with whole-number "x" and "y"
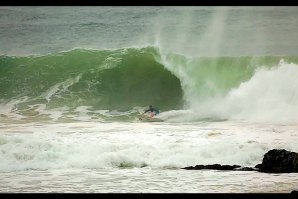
{"x": 73, "y": 81}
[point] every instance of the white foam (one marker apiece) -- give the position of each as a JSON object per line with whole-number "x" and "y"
{"x": 54, "y": 113}
{"x": 102, "y": 145}
{"x": 9, "y": 109}
{"x": 271, "y": 95}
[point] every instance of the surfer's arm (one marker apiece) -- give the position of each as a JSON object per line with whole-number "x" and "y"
{"x": 146, "y": 111}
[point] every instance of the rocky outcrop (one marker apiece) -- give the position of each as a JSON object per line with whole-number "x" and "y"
{"x": 274, "y": 161}
{"x": 279, "y": 161}
{"x": 213, "y": 166}
{"x": 220, "y": 167}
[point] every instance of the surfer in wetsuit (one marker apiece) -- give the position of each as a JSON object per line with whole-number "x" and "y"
{"x": 153, "y": 111}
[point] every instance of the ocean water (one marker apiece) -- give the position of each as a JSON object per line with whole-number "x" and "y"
{"x": 73, "y": 81}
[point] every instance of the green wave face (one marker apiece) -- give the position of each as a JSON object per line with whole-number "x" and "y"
{"x": 126, "y": 80}
{"x": 104, "y": 79}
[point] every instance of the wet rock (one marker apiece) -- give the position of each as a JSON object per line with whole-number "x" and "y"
{"x": 279, "y": 161}
{"x": 213, "y": 167}
{"x": 274, "y": 161}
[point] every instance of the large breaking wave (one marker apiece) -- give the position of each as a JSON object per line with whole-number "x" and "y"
{"x": 97, "y": 82}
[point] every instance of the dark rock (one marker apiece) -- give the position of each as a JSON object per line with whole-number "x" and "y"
{"x": 213, "y": 167}
{"x": 279, "y": 161}
{"x": 198, "y": 167}
{"x": 258, "y": 166}
{"x": 274, "y": 161}
{"x": 246, "y": 169}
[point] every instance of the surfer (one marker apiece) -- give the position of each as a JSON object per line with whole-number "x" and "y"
{"x": 153, "y": 111}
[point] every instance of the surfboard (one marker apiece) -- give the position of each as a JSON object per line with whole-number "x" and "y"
{"x": 145, "y": 118}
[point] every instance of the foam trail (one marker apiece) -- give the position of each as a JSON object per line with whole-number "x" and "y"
{"x": 60, "y": 87}
{"x": 9, "y": 109}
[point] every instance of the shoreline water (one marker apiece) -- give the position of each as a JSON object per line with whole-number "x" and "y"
{"x": 124, "y": 157}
